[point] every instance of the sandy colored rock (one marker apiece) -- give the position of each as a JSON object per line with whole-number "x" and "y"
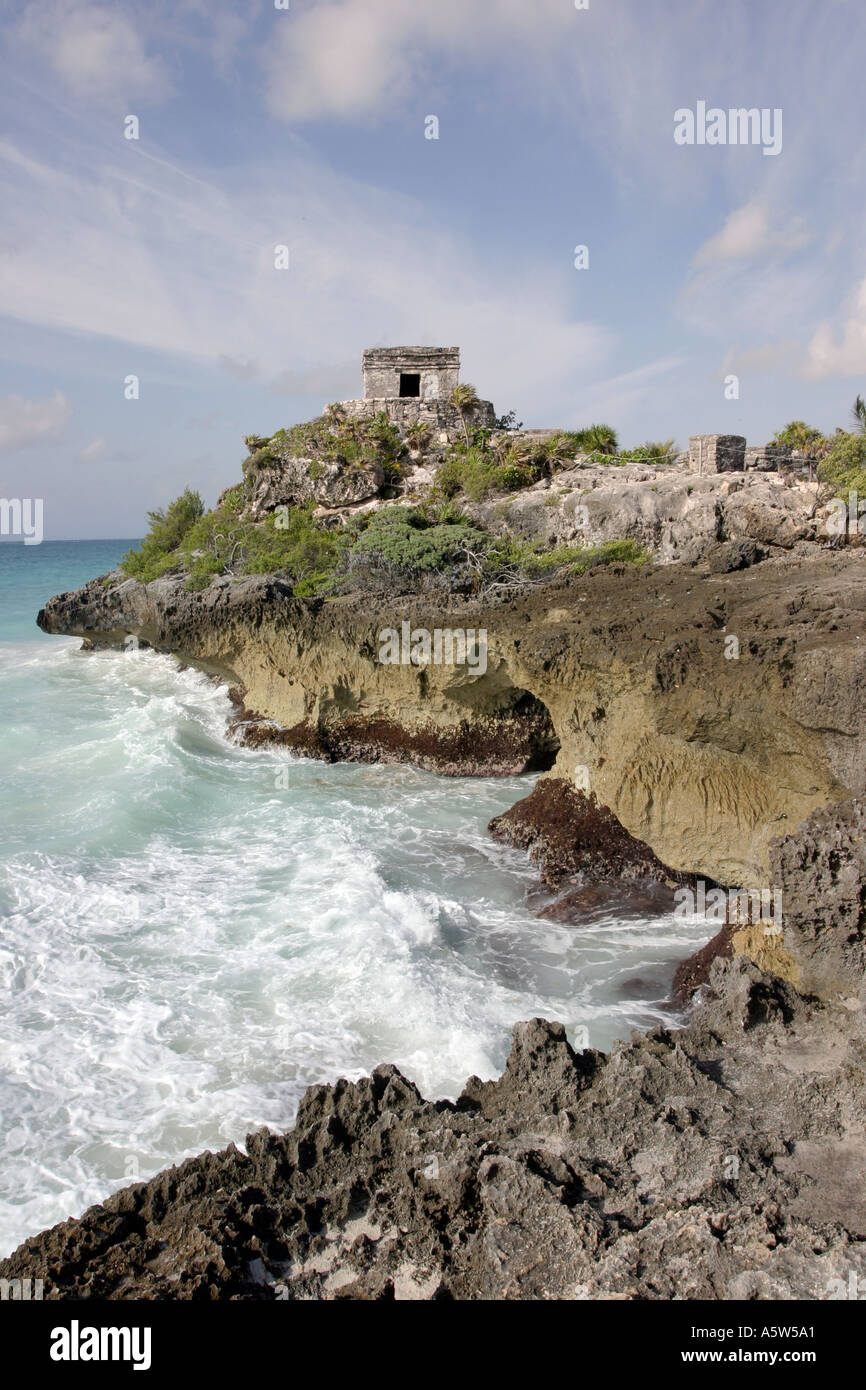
{"x": 710, "y": 713}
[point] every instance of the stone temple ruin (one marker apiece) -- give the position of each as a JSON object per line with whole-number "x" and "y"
{"x": 729, "y": 453}
{"x": 413, "y": 385}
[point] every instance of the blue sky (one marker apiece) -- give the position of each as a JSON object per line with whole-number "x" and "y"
{"x": 306, "y": 127}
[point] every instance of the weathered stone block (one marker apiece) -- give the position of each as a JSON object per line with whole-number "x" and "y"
{"x": 420, "y": 373}
{"x": 768, "y": 458}
{"x": 440, "y": 415}
{"x": 717, "y": 453}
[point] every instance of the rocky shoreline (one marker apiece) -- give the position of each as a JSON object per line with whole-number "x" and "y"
{"x": 697, "y": 723}
{"x": 722, "y": 1161}
{"x": 621, "y": 677}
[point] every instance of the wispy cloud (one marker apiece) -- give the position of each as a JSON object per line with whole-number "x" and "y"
{"x": 159, "y": 258}
{"x": 353, "y": 58}
{"x": 95, "y": 50}
{"x": 749, "y": 232}
{"x": 841, "y": 352}
{"x": 616, "y": 394}
{"x": 24, "y": 422}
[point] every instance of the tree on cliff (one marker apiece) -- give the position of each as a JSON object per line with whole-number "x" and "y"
{"x": 466, "y": 400}
{"x": 805, "y": 439}
{"x": 168, "y": 528}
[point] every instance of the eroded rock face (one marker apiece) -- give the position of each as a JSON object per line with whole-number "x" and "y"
{"x": 504, "y": 743}
{"x": 821, "y": 871}
{"x": 675, "y": 513}
{"x": 722, "y": 1161}
{"x": 294, "y": 481}
{"x": 709, "y": 712}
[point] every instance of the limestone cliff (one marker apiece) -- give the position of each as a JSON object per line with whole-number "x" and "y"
{"x": 710, "y": 711}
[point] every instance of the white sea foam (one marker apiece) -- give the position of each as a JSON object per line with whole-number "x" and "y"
{"x": 184, "y": 946}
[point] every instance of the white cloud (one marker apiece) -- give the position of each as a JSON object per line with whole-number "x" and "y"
{"x": 93, "y": 450}
{"x": 746, "y": 233}
{"x": 749, "y": 233}
{"x": 360, "y": 57}
{"x": 24, "y": 422}
{"x": 842, "y": 353}
{"x": 95, "y": 50}
{"x": 158, "y": 258}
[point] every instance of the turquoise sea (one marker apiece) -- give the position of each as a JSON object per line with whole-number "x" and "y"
{"x": 191, "y": 933}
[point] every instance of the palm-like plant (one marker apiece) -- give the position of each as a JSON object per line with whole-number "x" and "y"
{"x": 798, "y": 435}
{"x": 418, "y": 435}
{"x": 806, "y": 440}
{"x": 598, "y": 439}
{"x": 661, "y": 450}
{"x": 858, "y": 414}
{"x": 465, "y": 398}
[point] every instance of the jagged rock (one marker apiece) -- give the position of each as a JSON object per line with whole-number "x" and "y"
{"x": 567, "y": 833}
{"x": 293, "y": 481}
{"x": 821, "y": 873}
{"x": 721, "y": 1161}
{"x": 675, "y": 514}
{"x": 735, "y": 555}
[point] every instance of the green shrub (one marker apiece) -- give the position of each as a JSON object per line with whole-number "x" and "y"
{"x": 288, "y": 542}
{"x": 596, "y": 439}
{"x": 167, "y": 531}
{"x": 475, "y": 471}
{"x": 798, "y": 435}
{"x": 291, "y": 542}
{"x": 331, "y": 438}
{"x": 510, "y": 561}
{"x": 404, "y": 549}
{"x": 653, "y": 451}
{"x": 400, "y": 542}
{"x": 844, "y": 467}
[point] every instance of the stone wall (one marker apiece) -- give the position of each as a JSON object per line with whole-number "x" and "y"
{"x": 439, "y": 369}
{"x": 442, "y": 417}
{"x": 768, "y": 458}
{"x": 717, "y": 453}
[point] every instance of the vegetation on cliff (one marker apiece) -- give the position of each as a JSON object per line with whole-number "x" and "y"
{"x": 332, "y": 438}
{"x": 840, "y": 458}
{"x": 409, "y": 548}
{"x": 203, "y": 544}
{"x": 395, "y": 549}
{"x": 398, "y": 548}
{"x": 168, "y": 530}
{"x": 844, "y": 466}
{"x": 478, "y": 468}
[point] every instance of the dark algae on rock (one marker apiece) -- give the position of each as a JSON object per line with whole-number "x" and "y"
{"x": 567, "y": 833}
